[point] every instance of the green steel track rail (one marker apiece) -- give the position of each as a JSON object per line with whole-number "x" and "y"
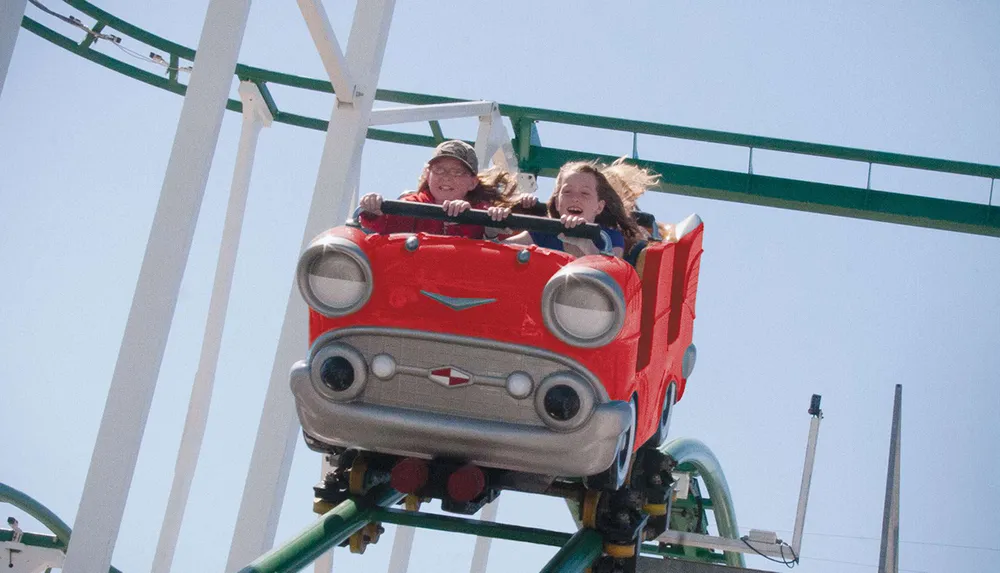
{"x": 740, "y": 187}
{"x": 60, "y": 531}
{"x": 694, "y": 455}
{"x": 577, "y": 550}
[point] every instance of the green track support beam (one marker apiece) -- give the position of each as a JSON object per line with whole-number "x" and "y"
{"x": 91, "y": 39}
{"x": 436, "y": 131}
{"x": 578, "y": 553}
{"x": 332, "y": 528}
{"x": 471, "y": 527}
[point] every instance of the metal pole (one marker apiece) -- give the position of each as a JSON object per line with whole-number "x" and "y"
{"x": 335, "y": 526}
{"x": 888, "y": 559}
{"x": 339, "y": 166}
{"x": 11, "y": 13}
{"x": 134, "y": 380}
{"x": 807, "y": 470}
{"x": 578, "y": 554}
{"x": 255, "y": 116}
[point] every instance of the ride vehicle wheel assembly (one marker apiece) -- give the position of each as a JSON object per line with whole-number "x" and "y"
{"x": 370, "y": 533}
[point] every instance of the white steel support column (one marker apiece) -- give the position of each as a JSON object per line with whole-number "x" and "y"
{"x": 255, "y": 116}
{"x": 338, "y": 171}
{"x": 11, "y": 13}
{"x": 402, "y": 547}
{"x": 481, "y": 554}
{"x": 134, "y": 380}
{"x": 888, "y": 559}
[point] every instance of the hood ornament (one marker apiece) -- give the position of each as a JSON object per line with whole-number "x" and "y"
{"x": 457, "y": 303}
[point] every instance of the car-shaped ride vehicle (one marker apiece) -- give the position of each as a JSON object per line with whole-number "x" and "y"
{"x": 508, "y": 358}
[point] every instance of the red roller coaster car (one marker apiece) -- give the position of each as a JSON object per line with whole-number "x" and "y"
{"x": 513, "y": 359}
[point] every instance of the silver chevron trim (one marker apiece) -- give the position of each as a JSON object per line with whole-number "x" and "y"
{"x": 456, "y": 303}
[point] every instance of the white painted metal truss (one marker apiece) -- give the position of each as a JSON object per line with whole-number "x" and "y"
{"x": 141, "y": 353}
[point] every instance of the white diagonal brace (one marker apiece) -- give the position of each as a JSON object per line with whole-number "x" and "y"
{"x": 437, "y": 111}
{"x": 134, "y": 380}
{"x": 329, "y": 49}
{"x": 332, "y": 198}
{"x": 255, "y": 116}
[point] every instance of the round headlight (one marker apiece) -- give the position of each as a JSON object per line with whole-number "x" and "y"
{"x": 334, "y": 276}
{"x": 561, "y": 402}
{"x": 583, "y": 306}
{"x": 338, "y": 371}
{"x": 564, "y": 401}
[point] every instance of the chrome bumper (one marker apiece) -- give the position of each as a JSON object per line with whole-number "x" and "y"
{"x": 585, "y": 451}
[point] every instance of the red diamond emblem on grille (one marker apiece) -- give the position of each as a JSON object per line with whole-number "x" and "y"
{"x": 450, "y": 376}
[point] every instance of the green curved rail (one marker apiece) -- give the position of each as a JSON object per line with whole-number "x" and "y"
{"x": 694, "y": 453}
{"x": 847, "y": 201}
{"x": 32, "y": 507}
{"x": 44, "y": 515}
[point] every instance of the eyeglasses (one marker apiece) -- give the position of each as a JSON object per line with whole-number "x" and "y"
{"x": 453, "y": 173}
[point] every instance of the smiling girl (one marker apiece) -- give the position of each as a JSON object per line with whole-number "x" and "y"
{"x": 449, "y": 179}
{"x": 583, "y": 194}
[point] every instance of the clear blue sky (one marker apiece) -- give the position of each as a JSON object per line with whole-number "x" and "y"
{"x": 790, "y": 304}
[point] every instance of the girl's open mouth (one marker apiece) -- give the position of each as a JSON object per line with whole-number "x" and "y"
{"x": 574, "y": 210}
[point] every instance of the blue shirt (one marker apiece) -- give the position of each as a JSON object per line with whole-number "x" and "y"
{"x": 550, "y": 241}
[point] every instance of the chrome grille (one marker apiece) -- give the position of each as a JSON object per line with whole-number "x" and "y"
{"x": 488, "y": 362}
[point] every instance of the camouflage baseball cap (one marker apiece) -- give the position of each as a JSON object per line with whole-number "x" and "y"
{"x": 459, "y": 150}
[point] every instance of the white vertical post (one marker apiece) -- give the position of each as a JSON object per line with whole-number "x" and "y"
{"x": 255, "y": 116}
{"x": 134, "y": 380}
{"x": 888, "y": 559}
{"x": 402, "y": 547}
{"x": 11, "y": 13}
{"x": 339, "y": 166}
{"x": 481, "y": 554}
{"x": 807, "y": 471}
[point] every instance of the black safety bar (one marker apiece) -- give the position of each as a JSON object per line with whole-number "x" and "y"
{"x": 478, "y": 217}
